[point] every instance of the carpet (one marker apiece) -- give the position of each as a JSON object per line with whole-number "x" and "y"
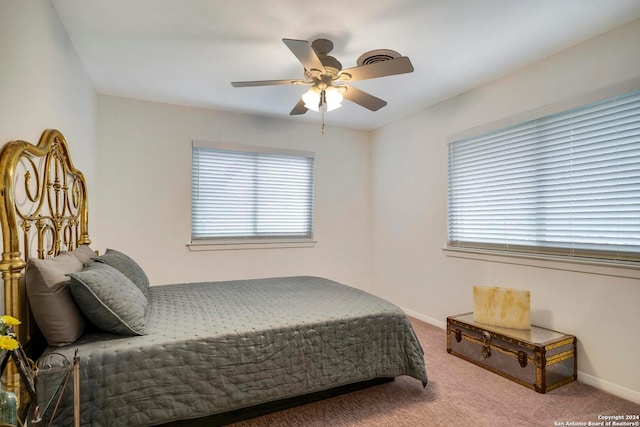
{"x": 458, "y": 394}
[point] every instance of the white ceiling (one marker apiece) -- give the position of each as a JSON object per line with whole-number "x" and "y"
{"x": 187, "y": 52}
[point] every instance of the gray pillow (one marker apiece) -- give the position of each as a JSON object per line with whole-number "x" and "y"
{"x": 126, "y": 266}
{"x": 52, "y": 305}
{"x": 83, "y": 253}
{"x": 109, "y": 299}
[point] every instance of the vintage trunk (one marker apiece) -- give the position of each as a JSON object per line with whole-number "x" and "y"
{"x": 537, "y": 358}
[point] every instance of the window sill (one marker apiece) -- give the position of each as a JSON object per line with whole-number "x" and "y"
{"x": 240, "y": 245}
{"x": 624, "y": 269}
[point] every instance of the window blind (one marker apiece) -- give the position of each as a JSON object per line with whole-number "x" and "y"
{"x": 566, "y": 184}
{"x": 249, "y": 193}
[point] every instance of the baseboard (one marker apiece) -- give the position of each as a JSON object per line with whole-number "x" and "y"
{"x": 609, "y": 387}
{"x": 427, "y": 319}
{"x": 600, "y": 384}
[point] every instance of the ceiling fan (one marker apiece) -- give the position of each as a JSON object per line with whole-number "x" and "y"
{"x": 326, "y": 77}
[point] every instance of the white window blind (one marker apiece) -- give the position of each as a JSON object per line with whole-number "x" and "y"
{"x": 246, "y": 193}
{"x": 566, "y": 184}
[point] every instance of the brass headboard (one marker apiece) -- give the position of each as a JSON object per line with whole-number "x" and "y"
{"x": 43, "y": 211}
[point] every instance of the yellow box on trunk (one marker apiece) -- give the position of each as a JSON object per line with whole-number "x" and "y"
{"x": 505, "y": 307}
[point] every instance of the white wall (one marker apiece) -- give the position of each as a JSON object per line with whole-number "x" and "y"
{"x": 143, "y": 162}
{"x": 42, "y": 82}
{"x": 144, "y": 182}
{"x": 409, "y": 179}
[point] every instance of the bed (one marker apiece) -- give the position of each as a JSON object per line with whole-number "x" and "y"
{"x": 152, "y": 355}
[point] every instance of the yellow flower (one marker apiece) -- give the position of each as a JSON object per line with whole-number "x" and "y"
{"x": 9, "y": 320}
{"x": 8, "y": 343}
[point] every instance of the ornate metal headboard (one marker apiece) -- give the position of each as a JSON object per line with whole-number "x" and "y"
{"x": 43, "y": 211}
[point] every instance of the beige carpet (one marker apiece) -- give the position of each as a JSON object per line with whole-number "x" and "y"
{"x": 458, "y": 394}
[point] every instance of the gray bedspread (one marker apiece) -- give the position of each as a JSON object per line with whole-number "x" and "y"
{"x": 219, "y": 346}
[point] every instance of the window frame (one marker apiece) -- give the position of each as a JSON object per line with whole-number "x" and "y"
{"x": 248, "y": 241}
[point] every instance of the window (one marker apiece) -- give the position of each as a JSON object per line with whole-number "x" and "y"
{"x": 565, "y": 184}
{"x": 244, "y": 193}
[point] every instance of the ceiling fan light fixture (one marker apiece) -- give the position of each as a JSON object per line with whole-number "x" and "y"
{"x": 312, "y": 99}
{"x": 333, "y": 98}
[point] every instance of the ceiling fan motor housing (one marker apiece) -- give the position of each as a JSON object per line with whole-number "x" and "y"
{"x": 322, "y": 46}
{"x": 331, "y": 65}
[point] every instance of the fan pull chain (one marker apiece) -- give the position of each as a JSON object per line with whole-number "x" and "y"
{"x": 322, "y": 108}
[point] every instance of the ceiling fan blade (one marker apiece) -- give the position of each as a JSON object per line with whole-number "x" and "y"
{"x": 364, "y": 99}
{"x": 299, "y": 108}
{"x": 305, "y": 54}
{"x": 267, "y": 83}
{"x": 377, "y": 69}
